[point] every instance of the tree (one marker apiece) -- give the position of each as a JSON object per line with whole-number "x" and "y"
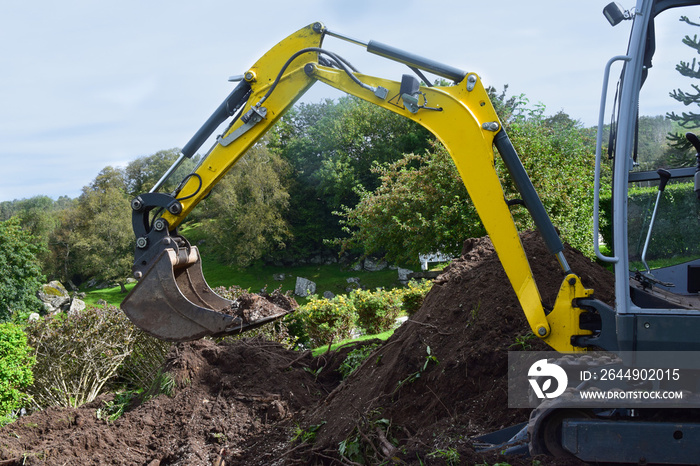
{"x": 331, "y": 148}
{"x": 61, "y": 245}
{"x": 142, "y": 173}
{"x": 686, "y": 120}
{"x": 20, "y": 272}
{"x": 422, "y": 205}
{"x": 246, "y": 209}
{"x": 94, "y": 238}
{"x": 104, "y": 235}
{"x": 559, "y": 156}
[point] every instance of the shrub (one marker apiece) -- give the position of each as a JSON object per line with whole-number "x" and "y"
{"x": 15, "y": 370}
{"x": 141, "y": 368}
{"x": 355, "y": 358}
{"x": 327, "y": 320}
{"x": 77, "y": 354}
{"x": 376, "y": 310}
{"x": 412, "y": 296}
{"x": 20, "y": 272}
{"x": 675, "y": 232}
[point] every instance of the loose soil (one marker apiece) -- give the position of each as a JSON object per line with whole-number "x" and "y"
{"x": 251, "y": 307}
{"x": 438, "y": 382}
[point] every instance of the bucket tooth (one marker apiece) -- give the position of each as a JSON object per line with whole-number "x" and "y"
{"x": 173, "y": 302}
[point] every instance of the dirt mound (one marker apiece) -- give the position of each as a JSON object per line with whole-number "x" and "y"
{"x": 225, "y": 393}
{"x": 442, "y": 375}
{"x": 251, "y": 307}
{"x": 439, "y": 380}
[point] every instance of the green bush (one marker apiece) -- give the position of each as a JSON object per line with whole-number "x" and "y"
{"x": 376, "y": 310}
{"x": 142, "y": 367}
{"x": 675, "y": 232}
{"x": 412, "y": 296}
{"x": 76, "y": 355}
{"x": 15, "y": 370}
{"x": 355, "y": 358}
{"x": 327, "y": 320}
{"x": 20, "y": 272}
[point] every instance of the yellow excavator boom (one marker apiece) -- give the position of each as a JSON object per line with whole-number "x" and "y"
{"x": 172, "y": 301}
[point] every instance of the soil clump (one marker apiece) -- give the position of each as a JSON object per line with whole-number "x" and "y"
{"x": 439, "y": 381}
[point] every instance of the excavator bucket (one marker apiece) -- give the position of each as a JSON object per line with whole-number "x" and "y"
{"x": 173, "y": 302}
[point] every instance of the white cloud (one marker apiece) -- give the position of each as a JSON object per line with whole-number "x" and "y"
{"x": 86, "y": 84}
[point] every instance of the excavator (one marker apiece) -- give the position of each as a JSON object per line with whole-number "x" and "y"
{"x": 655, "y": 310}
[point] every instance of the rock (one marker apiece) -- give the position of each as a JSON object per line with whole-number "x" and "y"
{"x": 374, "y": 265}
{"x": 34, "y": 316}
{"x": 105, "y": 285}
{"x": 403, "y": 274}
{"x": 55, "y": 288}
{"x": 53, "y": 295}
{"x": 304, "y": 287}
{"x": 357, "y": 266}
{"x": 92, "y": 282}
{"x": 77, "y": 305}
{"x": 101, "y": 302}
{"x": 353, "y": 280}
{"x": 318, "y": 259}
{"x": 328, "y": 295}
{"x": 278, "y": 276}
{"x": 131, "y": 280}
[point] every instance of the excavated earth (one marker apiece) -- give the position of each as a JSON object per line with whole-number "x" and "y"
{"x": 244, "y": 401}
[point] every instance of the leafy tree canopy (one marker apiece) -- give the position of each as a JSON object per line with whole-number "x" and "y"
{"x": 246, "y": 209}
{"x": 422, "y": 205}
{"x": 331, "y": 148}
{"x": 20, "y": 272}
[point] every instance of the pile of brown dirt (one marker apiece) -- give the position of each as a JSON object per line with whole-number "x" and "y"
{"x": 469, "y": 321}
{"x": 437, "y": 382}
{"x": 252, "y": 307}
{"x": 225, "y": 393}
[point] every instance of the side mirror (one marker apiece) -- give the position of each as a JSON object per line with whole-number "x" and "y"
{"x": 615, "y": 14}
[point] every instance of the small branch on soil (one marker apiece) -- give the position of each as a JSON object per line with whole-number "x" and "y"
{"x": 387, "y": 448}
{"x": 17, "y": 460}
{"x": 435, "y": 327}
{"x": 357, "y": 426}
{"x": 443, "y": 404}
{"x": 346, "y": 461}
{"x": 336, "y": 460}
{"x": 259, "y": 398}
{"x": 298, "y": 447}
{"x": 303, "y": 355}
{"x": 219, "y": 459}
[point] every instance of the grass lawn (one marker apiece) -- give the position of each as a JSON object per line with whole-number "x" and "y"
{"x": 324, "y": 349}
{"x": 111, "y": 295}
{"x": 327, "y": 278}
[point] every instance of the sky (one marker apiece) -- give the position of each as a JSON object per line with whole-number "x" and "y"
{"x": 87, "y": 84}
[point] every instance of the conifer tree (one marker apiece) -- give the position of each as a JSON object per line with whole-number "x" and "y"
{"x": 689, "y": 121}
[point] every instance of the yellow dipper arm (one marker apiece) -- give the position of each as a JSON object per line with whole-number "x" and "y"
{"x": 460, "y": 116}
